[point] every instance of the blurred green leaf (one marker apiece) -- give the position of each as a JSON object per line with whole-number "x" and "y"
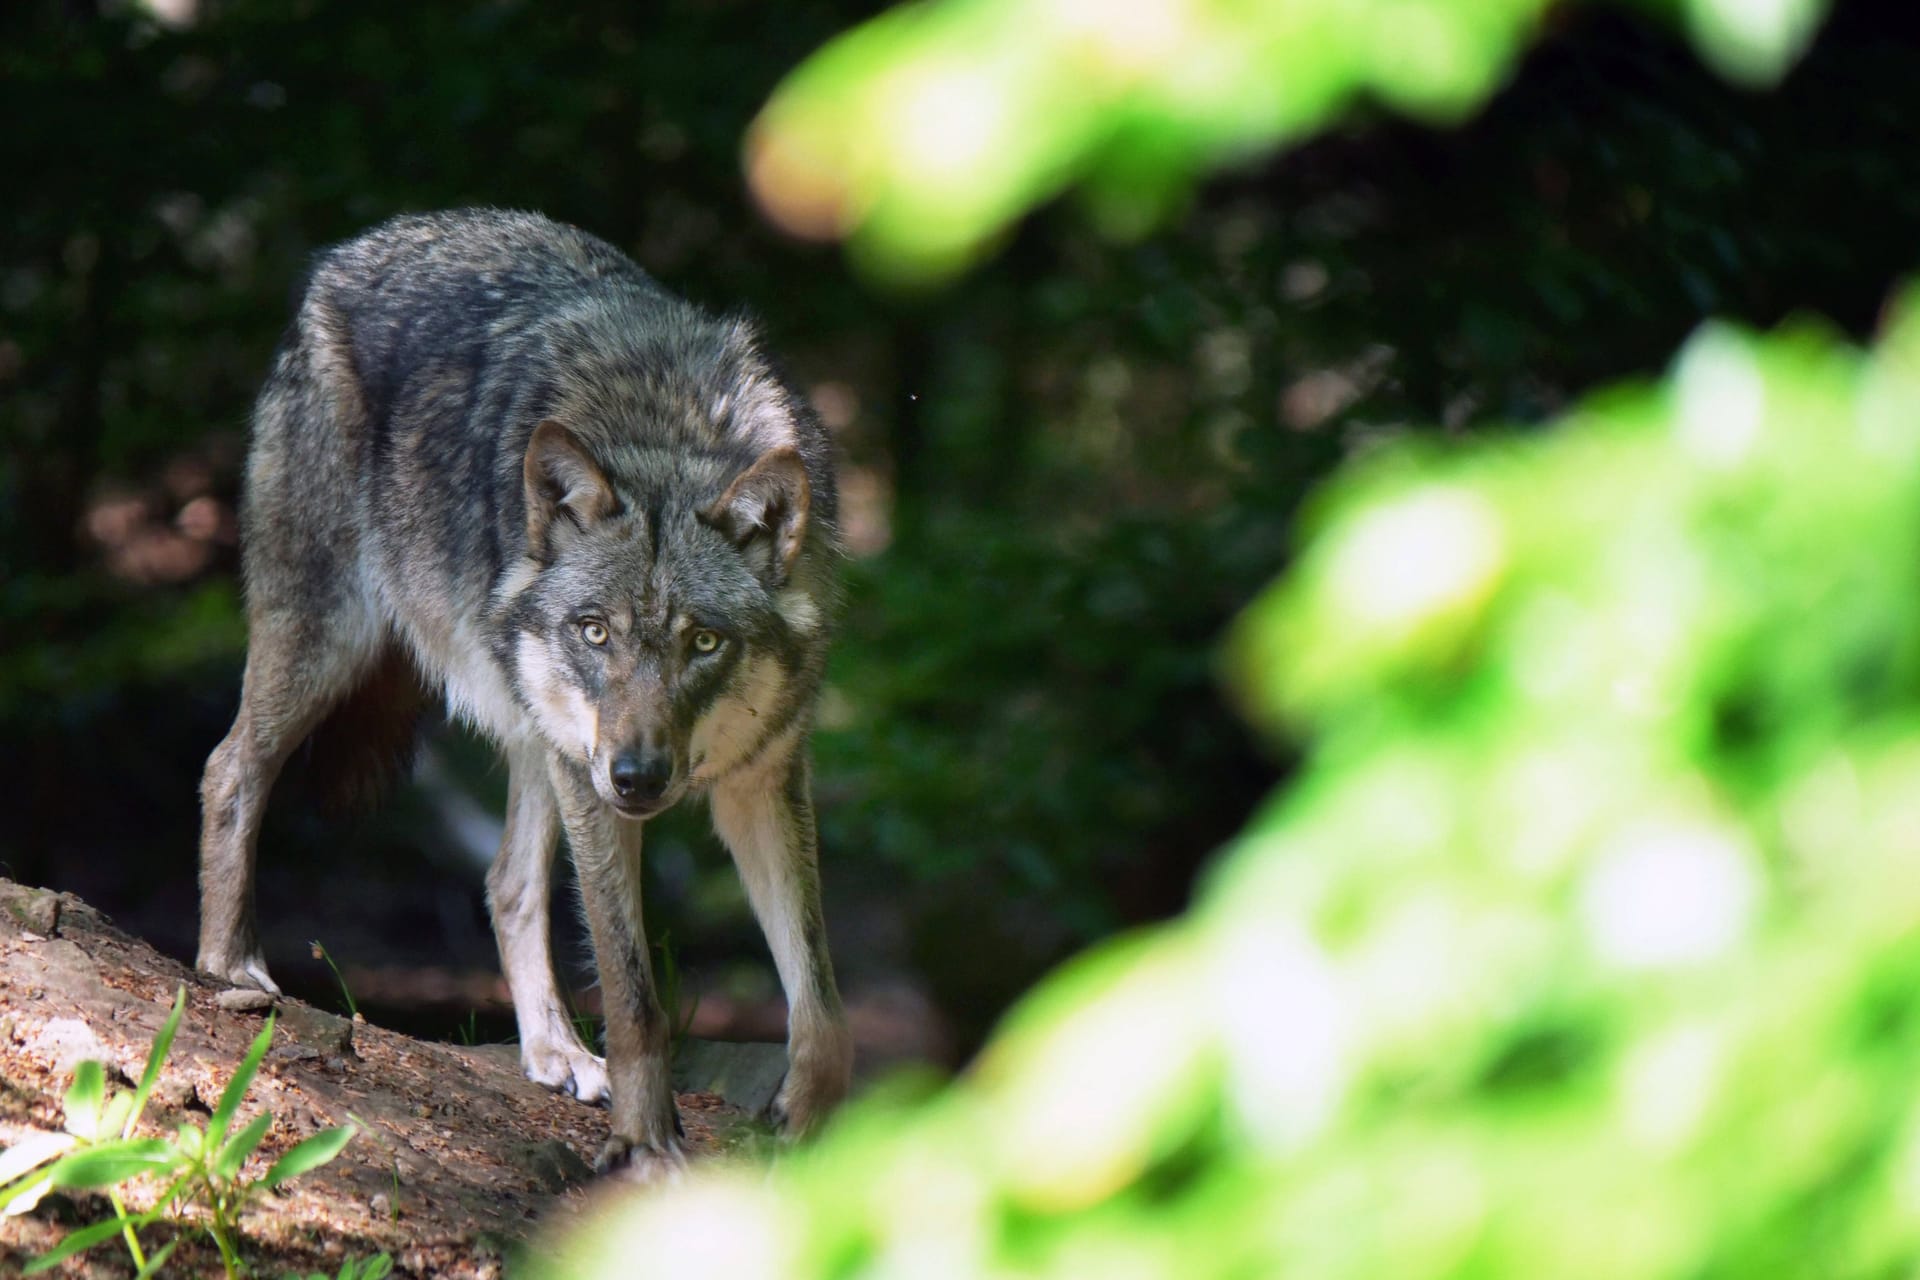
{"x": 922, "y": 134}
{"x": 234, "y": 1152}
{"x": 242, "y": 1080}
{"x": 106, "y": 1163}
{"x": 309, "y": 1153}
{"x": 156, "y": 1058}
{"x": 84, "y": 1098}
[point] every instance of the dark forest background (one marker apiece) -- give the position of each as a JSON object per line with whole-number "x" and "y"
{"x": 1064, "y": 475}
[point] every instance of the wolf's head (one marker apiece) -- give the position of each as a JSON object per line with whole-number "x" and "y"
{"x": 661, "y": 635}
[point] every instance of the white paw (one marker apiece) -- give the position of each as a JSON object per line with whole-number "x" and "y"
{"x": 248, "y": 971}
{"x": 567, "y": 1068}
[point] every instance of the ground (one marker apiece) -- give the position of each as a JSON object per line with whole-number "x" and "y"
{"x": 462, "y": 1159}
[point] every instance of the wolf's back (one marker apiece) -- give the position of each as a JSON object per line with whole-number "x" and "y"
{"x": 468, "y": 288}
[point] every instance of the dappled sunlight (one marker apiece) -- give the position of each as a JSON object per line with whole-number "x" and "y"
{"x": 1722, "y": 399}
{"x": 1670, "y": 894}
{"x": 1431, "y": 552}
{"x": 721, "y": 1227}
{"x": 1284, "y": 1014}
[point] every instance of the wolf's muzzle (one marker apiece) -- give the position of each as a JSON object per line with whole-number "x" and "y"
{"x": 640, "y": 779}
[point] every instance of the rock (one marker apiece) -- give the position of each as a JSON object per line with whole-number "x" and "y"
{"x": 325, "y": 1033}
{"x": 745, "y": 1073}
{"x": 37, "y": 910}
{"x": 292, "y": 1052}
{"x": 556, "y": 1165}
{"x": 68, "y": 1041}
{"x": 244, "y": 1000}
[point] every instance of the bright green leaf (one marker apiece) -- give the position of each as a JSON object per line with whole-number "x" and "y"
{"x": 84, "y": 1097}
{"x": 114, "y": 1116}
{"x": 159, "y": 1256}
{"x": 309, "y": 1154}
{"x": 86, "y": 1237}
{"x": 237, "y": 1148}
{"x": 237, "y": 1087}
{"x": 113, "y": 1162}
{"x": 156, "y": 1057}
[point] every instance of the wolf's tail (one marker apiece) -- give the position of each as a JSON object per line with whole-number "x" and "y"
{"x": 367, "y": 741}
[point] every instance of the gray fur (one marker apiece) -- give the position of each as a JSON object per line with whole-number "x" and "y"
{"x": 493, "y": 449}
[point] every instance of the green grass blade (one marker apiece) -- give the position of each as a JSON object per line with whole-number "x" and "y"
{"x": 160, "y": 1255}
{"x": 113, "y": 1162}
{"x": 234, "y": 1154}
{"x": 84, "y": 1098}
{"x": 74, "y": 1242}
{"x": 85, "y": 1238}
{"x": 156, "y": 1056}
{"x": 238, "y": 1086}
{"x": 114, "y": 1116}
{"x": 309, "y": 1154}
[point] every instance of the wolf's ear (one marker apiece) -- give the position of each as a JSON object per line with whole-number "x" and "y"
{"x": 563, "y": 485}
{"x": 764, "y": 513}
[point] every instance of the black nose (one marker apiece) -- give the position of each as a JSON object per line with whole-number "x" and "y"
{"x": 641, "y": 777}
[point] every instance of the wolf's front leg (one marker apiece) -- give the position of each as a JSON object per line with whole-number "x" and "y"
{"x": 645, "y": 1142}
{"x": 519, "y": 895}
{"x": 765, "y": 815}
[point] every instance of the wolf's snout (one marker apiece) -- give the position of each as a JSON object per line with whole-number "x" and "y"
{"x": 640, "y": 778}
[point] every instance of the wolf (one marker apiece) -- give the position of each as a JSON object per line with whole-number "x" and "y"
{"x": 496, "y": 459}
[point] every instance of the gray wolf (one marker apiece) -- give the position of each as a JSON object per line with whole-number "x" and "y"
{"x": 496, "y": 457}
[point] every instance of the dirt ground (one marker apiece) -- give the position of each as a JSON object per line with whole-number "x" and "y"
{"x": 463, "y": 1157}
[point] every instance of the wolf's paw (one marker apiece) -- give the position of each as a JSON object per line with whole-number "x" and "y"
{"x": 795, "y": 1110}
{"x": 807, "y": 1097}
{"x": 244, "y": 971}
{"x": 642, "y": 1163}
{"x": 567, "y": 1068}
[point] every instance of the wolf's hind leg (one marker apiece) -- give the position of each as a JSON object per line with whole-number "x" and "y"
{"x": 519, "y": 895}
{"x": 299, "y": 665}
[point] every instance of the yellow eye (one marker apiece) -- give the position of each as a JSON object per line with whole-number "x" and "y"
{"x": 705, "y": 641}
{"x": 594, "y": 633}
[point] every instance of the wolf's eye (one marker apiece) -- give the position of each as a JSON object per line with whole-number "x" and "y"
{"x": 594, "y": 633}
{"x": 705, "y": 641}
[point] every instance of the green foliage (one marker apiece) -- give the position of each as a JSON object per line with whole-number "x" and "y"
{"x": 922, "y": 134}
{"x": 1583, "y": 946}
{"x": 199, "y": 1168}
